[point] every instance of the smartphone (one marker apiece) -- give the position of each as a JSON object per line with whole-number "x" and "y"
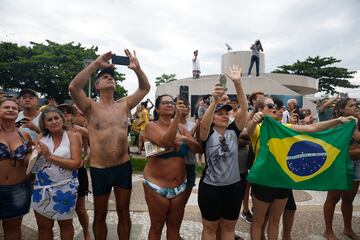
{"x": 21, "y": 122}
{"x": 184, "y": 93}
{"x": 222, "y": 81}
{"x": 120, "y": 60}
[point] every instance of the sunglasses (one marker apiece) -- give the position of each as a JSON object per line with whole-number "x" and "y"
{"x": 224, "y": 147}
{"x": 167, "y": 102}
{"x": 271, "y": 106}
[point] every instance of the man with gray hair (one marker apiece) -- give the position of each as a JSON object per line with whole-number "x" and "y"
{"x": 291, "y": 103}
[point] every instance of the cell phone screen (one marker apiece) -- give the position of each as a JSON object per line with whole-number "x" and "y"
{"x": 120, "y": 60}
{"x": 184, "y": 93}
{"x": 222, "y": 81}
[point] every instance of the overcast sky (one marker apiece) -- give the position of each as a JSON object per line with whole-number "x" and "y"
{"x": 165, "y": 33}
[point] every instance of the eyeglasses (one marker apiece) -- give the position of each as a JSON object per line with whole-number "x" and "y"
{"x": 271, "y": 106}
{"x": 224, "y": 147}
{"x": 167, "y": 102}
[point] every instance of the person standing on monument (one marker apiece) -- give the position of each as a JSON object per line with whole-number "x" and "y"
{"x": 255, "y": 56}
{"x": 196, "y": 65}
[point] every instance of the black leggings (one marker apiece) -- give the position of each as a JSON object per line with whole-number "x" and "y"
{"x": 217, "y": 202}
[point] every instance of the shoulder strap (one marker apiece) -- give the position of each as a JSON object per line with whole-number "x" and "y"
{"x": 21, "y": 136}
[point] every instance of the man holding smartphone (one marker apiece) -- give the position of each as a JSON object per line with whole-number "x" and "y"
{"x": 108, "y": 126}
{"x": 255, "y": 56}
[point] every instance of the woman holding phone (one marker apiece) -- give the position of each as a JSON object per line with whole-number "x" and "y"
{"x": 165, "y": 175}
{"x": 220, "y": 188}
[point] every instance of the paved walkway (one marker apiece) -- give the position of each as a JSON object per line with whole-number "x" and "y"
{"x": 309, "y": 223}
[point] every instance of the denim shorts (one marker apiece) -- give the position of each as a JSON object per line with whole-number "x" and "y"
{"x": 15, "y": 200}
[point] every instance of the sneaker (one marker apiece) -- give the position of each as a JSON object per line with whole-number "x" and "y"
{"x": 249, "y": 75}
{"x": 247, "y": 216}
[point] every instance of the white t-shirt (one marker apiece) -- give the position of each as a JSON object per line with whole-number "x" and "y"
{"x": 35, "y": 121}
{"x": 190, "y": 157}
{"x": 285, "y": 117}
{"x": 196, "y": 64}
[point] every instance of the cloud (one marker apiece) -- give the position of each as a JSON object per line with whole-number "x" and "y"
{"x": 165, "y": 33}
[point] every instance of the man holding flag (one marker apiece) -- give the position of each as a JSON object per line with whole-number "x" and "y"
{"x": 293, "y": 157}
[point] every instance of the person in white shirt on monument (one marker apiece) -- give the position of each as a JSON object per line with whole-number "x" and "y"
{"x": 196, "y": 65}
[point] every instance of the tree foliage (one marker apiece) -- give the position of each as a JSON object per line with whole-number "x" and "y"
{"x": 321, "y": 68}
{"x": 46, "y": 68}
{"x": 165, "y": 78}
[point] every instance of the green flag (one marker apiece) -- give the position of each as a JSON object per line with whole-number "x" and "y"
{"x": 308, "y": 161}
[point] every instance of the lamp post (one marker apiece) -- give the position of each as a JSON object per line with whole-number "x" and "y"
{"x": 87, "y": 61}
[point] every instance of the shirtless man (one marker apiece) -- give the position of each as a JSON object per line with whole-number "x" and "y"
{"x": 107, "y": 125}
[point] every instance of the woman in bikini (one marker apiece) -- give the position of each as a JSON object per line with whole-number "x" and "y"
{"x": 15, "y": 185}
{"x": 343, "y": 108}
{"x": 165, "y": 174}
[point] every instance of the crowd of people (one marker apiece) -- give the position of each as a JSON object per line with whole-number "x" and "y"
{"x": 65, "y": 138}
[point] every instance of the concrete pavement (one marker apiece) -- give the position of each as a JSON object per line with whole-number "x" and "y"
{"x": 309, "y": 223}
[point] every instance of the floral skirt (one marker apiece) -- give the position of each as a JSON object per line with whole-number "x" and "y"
{"x": 56, "y": 201}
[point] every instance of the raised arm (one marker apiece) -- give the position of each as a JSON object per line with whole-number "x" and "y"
{"x": 242, "y": 115}
{"x": 144, "y": 86}
{"x": 78, "y": 83}
{"x": 193, "y": 145}
{"x": 327, "y": 104}
{"x": 208, "y": 117}
{"x": 167, "y": 139}
{"x": 253, "y": 121}
{"x": 152, "y": 104}
{"x": 320, "y": 126}
{"x": 260, "y": 47}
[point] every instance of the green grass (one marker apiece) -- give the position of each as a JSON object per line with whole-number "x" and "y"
{"x": 138, "y": 165}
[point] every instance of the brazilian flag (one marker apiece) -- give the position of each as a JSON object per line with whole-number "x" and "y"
{"x": 308, "y": 161}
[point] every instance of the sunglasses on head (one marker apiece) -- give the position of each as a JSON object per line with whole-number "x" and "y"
{"x": 271, "y": 105}
{"x": 224, "y": 147}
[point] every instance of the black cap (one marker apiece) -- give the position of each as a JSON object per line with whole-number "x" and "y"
{"x": 108, "y": 70}
{"x": 28, "y": 90}
{"x": 220, "y": 106}
{"x": 144, "y": 104}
